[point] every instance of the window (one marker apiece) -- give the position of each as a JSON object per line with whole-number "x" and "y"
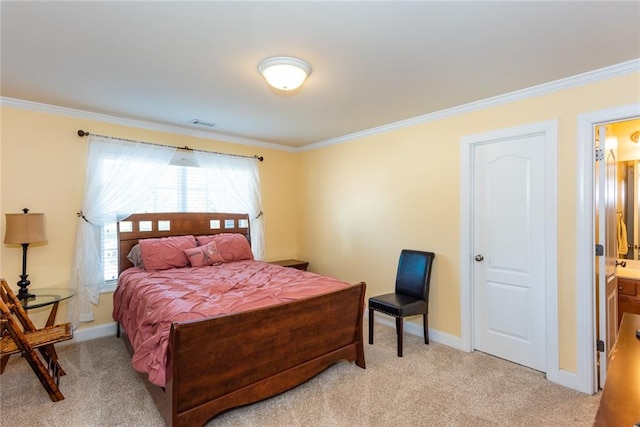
{"x": 124, "y": 176}
{"x": 180, "y": 189}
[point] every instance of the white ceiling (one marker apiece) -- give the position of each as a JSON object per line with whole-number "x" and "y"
{"x": 374, "y": 63}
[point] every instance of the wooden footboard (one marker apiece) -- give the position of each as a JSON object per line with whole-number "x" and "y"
{"x": 230, "y": 361}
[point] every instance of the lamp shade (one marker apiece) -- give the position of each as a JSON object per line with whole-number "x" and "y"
{"x": 284, "y": 72}
{"x": 25, "y": 228}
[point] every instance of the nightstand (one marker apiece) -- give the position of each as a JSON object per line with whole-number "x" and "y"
{"x": 47, "y": 296}
{"x": 293, "y": 263}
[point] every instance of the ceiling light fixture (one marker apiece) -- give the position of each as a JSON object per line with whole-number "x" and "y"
{"x": 284, "y": 72}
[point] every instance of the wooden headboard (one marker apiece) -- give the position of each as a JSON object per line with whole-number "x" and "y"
{"x": 154, "y": 225}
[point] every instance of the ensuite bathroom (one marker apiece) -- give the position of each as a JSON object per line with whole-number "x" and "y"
{"x": 627, "y": 134}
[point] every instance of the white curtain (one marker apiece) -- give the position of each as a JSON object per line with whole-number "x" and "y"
{"x": 236, "y": 182}
{"x": 120, "y": 174}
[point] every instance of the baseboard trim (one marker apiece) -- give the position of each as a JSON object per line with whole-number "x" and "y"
{"x": 92, "y": 332}
{"x": 413, "y": 329}
{"x": 109, "y": 329}
{"x": 564, "y": 378}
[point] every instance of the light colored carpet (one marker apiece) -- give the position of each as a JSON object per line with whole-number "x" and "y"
{"x": 432, "y": 385}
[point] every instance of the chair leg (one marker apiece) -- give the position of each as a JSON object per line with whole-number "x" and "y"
{"x": 399, "y": 332}
{"x": 371, "y": 311}
{"x": 3, "y": 363}
{"x": 425, "y": 325}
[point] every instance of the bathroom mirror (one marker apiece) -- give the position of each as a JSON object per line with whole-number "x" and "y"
{"x": 628, "y": 209}
{"x": 628, "y": 197}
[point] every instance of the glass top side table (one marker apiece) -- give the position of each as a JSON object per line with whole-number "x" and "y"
{"x": 48, "y": 296}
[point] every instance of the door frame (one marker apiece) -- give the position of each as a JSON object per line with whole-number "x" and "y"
{"x": 550, "y": 131}
{"x": 586, "y": 378}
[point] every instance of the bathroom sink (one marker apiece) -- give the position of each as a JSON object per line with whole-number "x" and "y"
{"x": 631, "y": 269}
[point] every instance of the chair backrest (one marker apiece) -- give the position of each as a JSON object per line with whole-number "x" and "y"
{"x": 414, "y": 273}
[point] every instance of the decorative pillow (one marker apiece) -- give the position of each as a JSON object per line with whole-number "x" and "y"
{"x": 231, "y": 246}
{"x": 135, "y": 256}
{"x": 166, "y": 252}
{"x": 204, "y": 255}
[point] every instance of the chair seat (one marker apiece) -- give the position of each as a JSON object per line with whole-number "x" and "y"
{"x": 398, "y": 305}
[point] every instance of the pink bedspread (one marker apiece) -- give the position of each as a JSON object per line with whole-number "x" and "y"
{"x": 145, "y": 303}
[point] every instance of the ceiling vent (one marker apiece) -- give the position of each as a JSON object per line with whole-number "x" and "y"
{"x": 198, "y": 122}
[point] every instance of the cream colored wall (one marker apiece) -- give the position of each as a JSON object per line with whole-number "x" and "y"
{"x": 348, "y": 208}
{"x": 365, "y": 200}
{"x": 43, "y": 168}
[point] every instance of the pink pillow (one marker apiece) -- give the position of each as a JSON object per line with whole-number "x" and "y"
{"x": 204, "y": 255}
{"x": 231, "y": 246}
{"x": 166, "y": 252}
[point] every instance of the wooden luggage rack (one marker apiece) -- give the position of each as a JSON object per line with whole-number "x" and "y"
{"x": 27, "y": 339}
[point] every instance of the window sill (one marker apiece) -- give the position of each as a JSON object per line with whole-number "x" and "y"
{"x": 109, "y": 286}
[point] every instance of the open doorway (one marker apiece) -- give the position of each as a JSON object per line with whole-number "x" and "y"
{"x": 587, "y": 370}
{"x": 615, "y": 196}
{"x": 618, "y": 269}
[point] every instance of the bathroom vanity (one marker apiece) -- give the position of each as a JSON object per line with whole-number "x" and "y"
{"x": 628, "y": 296}
{"x": 628, "y": 288}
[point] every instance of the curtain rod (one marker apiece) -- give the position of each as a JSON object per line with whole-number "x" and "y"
{"x": 82, "y": 133}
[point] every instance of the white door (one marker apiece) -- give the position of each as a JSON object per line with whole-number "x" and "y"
{"x": 508, "y": 218}
{"x": 606, "y": 238}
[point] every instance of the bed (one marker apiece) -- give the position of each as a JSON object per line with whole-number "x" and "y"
{"x": 216, "y": 362}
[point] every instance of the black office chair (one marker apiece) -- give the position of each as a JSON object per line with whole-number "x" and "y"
{"x": 411, "y": 297}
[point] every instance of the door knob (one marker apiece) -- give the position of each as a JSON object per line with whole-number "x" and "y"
{"x": 479, "y": 257}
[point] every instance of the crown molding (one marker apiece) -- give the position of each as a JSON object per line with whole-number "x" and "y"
{"x": 542, "y": 89}
{"x": 142, "y": 124}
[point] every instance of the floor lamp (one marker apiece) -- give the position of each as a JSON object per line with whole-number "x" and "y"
{"x": 23, "y": 229}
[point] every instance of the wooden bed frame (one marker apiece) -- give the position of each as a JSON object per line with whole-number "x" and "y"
{"x": 228, "y": 361}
